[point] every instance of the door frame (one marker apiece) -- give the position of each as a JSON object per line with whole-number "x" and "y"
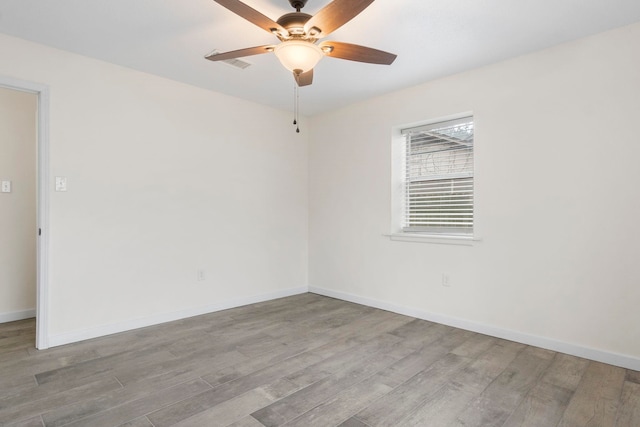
{"x": 42, "y": 167}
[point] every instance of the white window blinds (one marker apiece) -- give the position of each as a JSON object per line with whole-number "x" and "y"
{"x": 438, "y": 192}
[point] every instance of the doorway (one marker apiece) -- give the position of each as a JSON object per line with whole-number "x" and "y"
{"x": 40, "y": 184}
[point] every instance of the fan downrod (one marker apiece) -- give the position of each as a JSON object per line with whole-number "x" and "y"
{"x": 297, "y": 4}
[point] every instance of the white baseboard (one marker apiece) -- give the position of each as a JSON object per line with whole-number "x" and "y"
{"x": 17, "y": 315}
{"x": 100, "y": 331}
{"x": 624, "y": 361}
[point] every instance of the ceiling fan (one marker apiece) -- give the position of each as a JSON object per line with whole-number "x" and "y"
{"x": 299, "y": 32}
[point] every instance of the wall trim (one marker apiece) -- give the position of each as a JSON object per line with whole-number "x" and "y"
{"x": 114, "y": 328}
{"x": 17, "y": 315}
{"x": 621, "y": 360}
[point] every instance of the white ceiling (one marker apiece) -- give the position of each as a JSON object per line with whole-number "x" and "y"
{"x": 432, "y": 38}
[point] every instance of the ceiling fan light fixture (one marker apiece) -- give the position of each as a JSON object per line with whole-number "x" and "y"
{"x": 298, "y": 56}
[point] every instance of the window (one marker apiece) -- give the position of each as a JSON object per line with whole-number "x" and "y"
{"x": 438, "y": 178}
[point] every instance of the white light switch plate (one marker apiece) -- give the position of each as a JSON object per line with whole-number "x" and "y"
{"x": 61, "y": 183}
{"x": 6, "y": 186}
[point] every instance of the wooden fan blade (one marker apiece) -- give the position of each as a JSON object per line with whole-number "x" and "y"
{"x": 354, "y": 52}
{"x": 304, "y": 79}
{"x": 252, "y": 16}
{"x": 240, "y": 53}
{"x": 334, "y": 15}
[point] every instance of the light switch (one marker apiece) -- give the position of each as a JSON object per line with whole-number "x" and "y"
{"x": 61, "y": 183}
{"x": 6, "y": 186}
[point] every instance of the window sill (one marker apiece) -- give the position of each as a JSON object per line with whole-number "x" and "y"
{"x": 441, "y": 239}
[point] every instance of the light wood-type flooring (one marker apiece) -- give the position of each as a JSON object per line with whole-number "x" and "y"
{"x": 305, "y": 360}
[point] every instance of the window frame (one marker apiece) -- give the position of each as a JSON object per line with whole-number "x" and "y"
{"x": 398, "y": 193}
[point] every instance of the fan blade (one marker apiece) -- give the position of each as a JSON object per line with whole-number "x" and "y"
{"x": 240, "y": 53}
{"x": 354, "y": 52}
{"x": 334, "y": 15}
{"x": 304, "y": 79}
{"x": 252, "y": 16}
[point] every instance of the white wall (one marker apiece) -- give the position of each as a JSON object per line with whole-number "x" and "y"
{"x": 18, "y": 208}
{"x": 557, "y": 201}
{"x": 163, "y": 179}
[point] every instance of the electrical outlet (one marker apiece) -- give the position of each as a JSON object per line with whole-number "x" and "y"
{"x": 201, "y": 276}
{"x": 6, "y": 186}
{"x": 446, "y": 280}
{"x": 61, "y": 183}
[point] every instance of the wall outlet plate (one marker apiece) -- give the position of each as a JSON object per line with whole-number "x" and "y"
{"x": 446, "y": 280}
{"x": 61, "y": 183}
{"x": 6, "y": 186}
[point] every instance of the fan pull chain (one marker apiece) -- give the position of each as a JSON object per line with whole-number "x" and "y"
{"x": 296, "y": 106}
{"x": 295, "y": 93}
{"x": 297, "y": 109}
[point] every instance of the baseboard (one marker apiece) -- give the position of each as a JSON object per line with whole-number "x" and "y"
{"x": 17, "y": 315}
{"x": 624, "y": 361}
{"x": 114, "y": 328}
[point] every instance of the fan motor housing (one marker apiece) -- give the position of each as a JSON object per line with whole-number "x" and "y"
{"x": 294, "y": 22}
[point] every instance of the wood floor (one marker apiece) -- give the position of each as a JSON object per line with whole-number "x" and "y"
{"x": 306, "y": 361}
